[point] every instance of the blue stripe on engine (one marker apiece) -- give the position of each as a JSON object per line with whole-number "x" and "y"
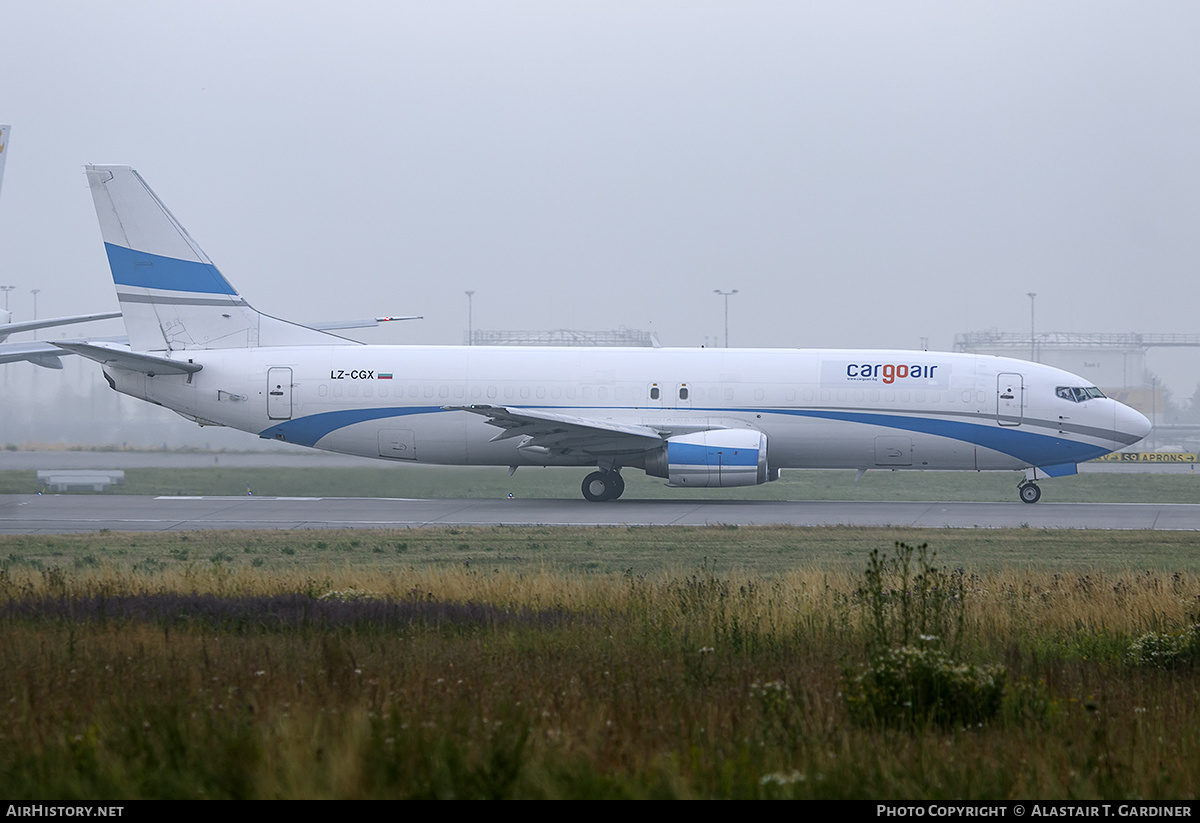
{"x": 691, "y": 454}
{"x": 152, "y": 271}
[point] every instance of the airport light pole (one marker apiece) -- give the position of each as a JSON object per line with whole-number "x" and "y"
{"x": 726, "y": 295}
{"x": 34, "y": 292}
{"x": 6, "y": 290}
{"x": 470, "y": 293}
{"x": 1032, "y": 336}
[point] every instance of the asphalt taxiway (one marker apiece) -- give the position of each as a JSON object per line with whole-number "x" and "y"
{"x": 61, "y": 514}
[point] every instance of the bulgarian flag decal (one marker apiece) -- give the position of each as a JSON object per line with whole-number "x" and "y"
{"x": 385, "y": 375}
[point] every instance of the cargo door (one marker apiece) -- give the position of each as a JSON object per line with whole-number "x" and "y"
{"x": 1010, "y": 399}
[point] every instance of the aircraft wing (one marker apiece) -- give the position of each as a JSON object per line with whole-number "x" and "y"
{"x": 565, "y": 433}
{"x": 370, "y": 323}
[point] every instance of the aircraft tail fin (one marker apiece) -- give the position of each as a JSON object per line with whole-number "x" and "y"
{"x": 172, "y": 296}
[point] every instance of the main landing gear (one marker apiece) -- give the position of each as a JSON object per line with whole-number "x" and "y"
{"x": 1029, "y": 491}
{"x": 603, "y": 485}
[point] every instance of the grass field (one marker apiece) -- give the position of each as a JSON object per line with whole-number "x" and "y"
{"x": 620, "y": 663}
{"x": 433, "y": 481}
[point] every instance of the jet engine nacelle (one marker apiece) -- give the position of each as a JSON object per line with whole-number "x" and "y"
{"x": 723, "y": 457}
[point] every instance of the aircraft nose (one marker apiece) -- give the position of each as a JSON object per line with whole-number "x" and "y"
{"x": 1131, "y": 423}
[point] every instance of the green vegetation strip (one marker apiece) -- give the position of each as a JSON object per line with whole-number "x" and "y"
{"x": 757, "y": 549}
{"x": 601, "y": 663}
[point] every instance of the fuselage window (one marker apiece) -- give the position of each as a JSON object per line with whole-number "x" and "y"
{"x": 602, "y": 393}
{"x": 508, "y": 392}
{"x": 429, "y": 391}
{"x": 322, "y": 390}
{"x": 728, "y": 395}
{"x": 525, "y": 392}
{"x": 683, "y": 392}
{"x": 759, "y": 394}
{"x": 491, "y": 392}
{"x": 654, "y": 392}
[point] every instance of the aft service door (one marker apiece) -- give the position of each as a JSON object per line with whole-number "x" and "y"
{"x": 1010, "y": 399}
{"x": 279, "y": 394}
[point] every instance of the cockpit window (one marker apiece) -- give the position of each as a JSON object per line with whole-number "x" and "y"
{"x": 1077, "y": 394}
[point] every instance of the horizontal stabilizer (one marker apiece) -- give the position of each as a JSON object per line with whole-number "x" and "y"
{"x": 34, "y": 351}
{"x": 132, "y": 361}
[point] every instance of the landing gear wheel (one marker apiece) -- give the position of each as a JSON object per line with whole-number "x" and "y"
{"x": 600, "y": 486}
{"x": 1030, "y": 493}
{"x": 616, "y": 486}
{"x": 595, "y": 487}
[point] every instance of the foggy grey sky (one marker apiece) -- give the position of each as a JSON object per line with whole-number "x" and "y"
{"x": 865, "y": 174}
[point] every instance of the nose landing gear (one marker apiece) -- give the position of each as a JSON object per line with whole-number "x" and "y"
{"x": 603, "y": 485}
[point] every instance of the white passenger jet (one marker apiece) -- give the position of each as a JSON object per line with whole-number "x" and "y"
{"x": 696, "y": 417}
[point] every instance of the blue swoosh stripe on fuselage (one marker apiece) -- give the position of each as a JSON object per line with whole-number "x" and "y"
{"x": 152, "y": 271}
{"x": 306, "y": 431}
{"x": 1013, "y": 441}
{"x": 1023, "y": 445}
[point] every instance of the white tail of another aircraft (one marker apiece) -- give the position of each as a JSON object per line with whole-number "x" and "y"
{"x": 3, "y": 150}
{"x": 172, "y": 296}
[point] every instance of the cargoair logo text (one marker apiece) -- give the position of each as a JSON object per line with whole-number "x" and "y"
{"x": 889, "y": 372}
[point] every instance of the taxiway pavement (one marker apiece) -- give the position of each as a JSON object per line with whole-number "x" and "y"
{"x": 60, "y": 514}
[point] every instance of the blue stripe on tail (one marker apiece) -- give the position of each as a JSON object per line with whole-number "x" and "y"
{"x": 151, "y": 271}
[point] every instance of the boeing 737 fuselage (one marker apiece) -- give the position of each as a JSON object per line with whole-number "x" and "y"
{"x": 695, "y": 417}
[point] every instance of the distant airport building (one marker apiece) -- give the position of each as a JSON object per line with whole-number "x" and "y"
{"x": 561, "y": 337}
